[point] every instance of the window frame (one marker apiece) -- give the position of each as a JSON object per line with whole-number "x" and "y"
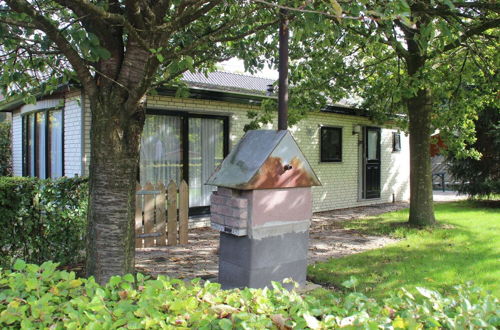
{"x": 25, "y": 141}
{"x": 322, "y": 144}
{"x": 185, "y": 116}
{"x": 396, "y": 141}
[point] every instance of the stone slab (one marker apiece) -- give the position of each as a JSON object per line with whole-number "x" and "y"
{"x": 235, "y": 276}
{"x": 266, "y": 252}
{"x": 247, "y": 262}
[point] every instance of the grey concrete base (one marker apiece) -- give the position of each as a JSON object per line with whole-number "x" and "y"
{"x": 246, "y": 262}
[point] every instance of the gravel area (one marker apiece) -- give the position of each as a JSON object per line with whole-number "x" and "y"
{"x": 328, "y": 240}
{"x": 447, "y": 196}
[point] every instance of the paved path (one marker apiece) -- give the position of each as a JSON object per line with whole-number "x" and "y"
{"x": 328, "y": 240}
{"x": 448, "y": 196}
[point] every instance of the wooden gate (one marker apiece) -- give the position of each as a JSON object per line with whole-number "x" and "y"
{"x": 161, "y": 215}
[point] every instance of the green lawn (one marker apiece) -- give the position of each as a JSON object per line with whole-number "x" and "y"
{"x": 464, "y": 246}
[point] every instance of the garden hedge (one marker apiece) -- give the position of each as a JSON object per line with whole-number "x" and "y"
{"x": 42, "y": 220}
{"x": 34, "y": 296}
{"x": 5, "y": 149}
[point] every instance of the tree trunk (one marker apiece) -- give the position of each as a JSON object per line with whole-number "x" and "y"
{"x": 421, "y": 203}
{"x": 115, "y": 139}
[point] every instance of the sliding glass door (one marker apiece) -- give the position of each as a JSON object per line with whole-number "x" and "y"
{"x": 161, "y": 150}
{"x": 184, "y": 146}
{"x": 206, "y": 152}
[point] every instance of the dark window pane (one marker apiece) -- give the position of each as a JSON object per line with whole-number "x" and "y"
{"x": 331, "y": 144}
{"x": 396, "y": 141}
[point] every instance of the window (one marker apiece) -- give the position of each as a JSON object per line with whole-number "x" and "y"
{"x": 396, "y": 141}
{"x": 43, "y": 144}
{"x": 183, "y": 146}
{"x": 331, "y": 144}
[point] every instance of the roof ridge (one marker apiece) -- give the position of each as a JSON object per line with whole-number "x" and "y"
{"x": 243, "y": 74}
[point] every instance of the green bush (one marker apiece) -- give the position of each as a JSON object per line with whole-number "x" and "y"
{"x": 34, "y": 296}
{"x": 5, "y": 149}
{"x": 42, "y": 219}
{"x": 480, "y": 177}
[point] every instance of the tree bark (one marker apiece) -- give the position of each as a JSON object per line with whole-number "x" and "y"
{"x": 115, "y": 140}
{"x": 420, "y": 108}
{"x": 421, "y": 203}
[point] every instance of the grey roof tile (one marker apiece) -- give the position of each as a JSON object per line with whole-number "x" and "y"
{"x": 228, "y": 81}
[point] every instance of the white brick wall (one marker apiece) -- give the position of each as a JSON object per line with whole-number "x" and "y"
{"x": 72, "y": 134}
{"x": 341, "y": 181}
{"x": 17, "y": 150}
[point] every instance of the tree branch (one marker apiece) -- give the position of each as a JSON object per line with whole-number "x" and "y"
{"x": 307, "y": 11}
{"x": 475, "y": 30}
{"x": 184, "y": 18}
{"x": 10, "y": 21}
{"x": 79, "y": 64}
{"x": 99, "y": 12}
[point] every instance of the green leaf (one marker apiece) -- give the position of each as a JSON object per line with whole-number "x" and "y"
{"x": 19, "y": 265}
{"x": 352, "y": 282}
{"x": 425, "y": 292}
{"x": 115, "y": 280}
{"x": 225, "y": 324}
{"x": 101, "y": 52}
{"x": 337, "y": 9}
{"x": 160, "y": 57}
{"x": 129, "y": 278}
{"x": 311, "y": 321}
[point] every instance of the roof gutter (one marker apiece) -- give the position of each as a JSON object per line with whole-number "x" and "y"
{"x": 10, "y": 105}
{"x": 217, "y": 95}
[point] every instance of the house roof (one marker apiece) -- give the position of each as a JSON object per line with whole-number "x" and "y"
{"x": 225, "y": 81}
{"x": 220, "y": 86}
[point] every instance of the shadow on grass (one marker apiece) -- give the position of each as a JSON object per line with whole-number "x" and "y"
{"x": 438, "y": 257}
{"x": 395, "y": 224}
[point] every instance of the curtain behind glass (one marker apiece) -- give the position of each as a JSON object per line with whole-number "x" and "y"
{"x": 206, "y": 149}
{"x": 55, "y": 144}
{"x": 40, "y": 151}
{"x": 30, "y": 145}
{"x": 161, "y": 150}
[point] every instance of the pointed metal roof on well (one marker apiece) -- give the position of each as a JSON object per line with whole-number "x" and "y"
{"x": 265, "y": 159}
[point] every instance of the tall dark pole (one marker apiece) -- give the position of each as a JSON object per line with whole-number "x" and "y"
{"x": 283, "y": 72}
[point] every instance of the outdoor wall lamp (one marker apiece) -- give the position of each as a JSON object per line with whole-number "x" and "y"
{"x": 269, "y": 90}
{"x": 356, "y": 129}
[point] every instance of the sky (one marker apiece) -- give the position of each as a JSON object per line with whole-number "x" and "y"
{"x": 235, "y": 65}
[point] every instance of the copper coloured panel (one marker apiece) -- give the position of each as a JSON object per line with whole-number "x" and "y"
{"x": 265, "y": 160}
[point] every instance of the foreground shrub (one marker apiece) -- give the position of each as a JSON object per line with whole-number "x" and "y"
{"x": 42, "y": 220}
{"x": 480, "y": 177}
{"x": 41, "y": 297}
{"x": 5, "y": 149}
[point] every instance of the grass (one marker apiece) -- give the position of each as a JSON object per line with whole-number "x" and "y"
{"x": 463, "y": 247}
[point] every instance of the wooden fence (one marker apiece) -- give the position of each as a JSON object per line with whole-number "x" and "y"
{"x": 161, "y": 215}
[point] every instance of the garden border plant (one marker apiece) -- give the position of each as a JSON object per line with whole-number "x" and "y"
{"x": 42, "y": 219}
{"x": 34, "y": 296}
